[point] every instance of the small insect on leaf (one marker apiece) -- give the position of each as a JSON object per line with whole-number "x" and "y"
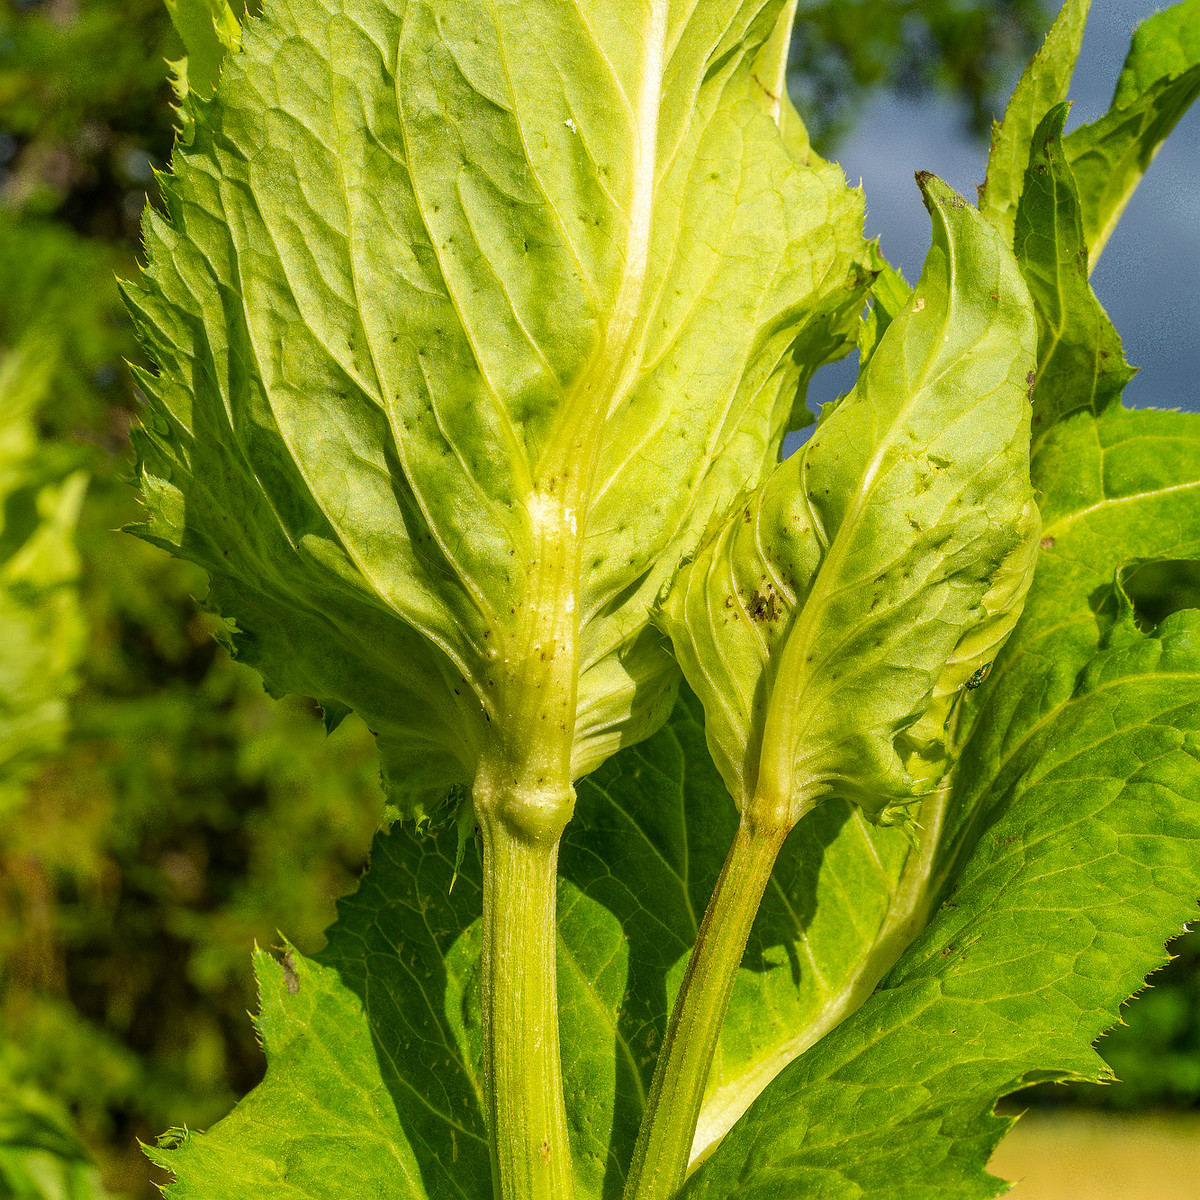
{"x": 979, "y": 676}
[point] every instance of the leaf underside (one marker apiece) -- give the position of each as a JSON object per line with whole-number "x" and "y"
{"x": 818, "y": 624}
{"x": 443, "y": 292}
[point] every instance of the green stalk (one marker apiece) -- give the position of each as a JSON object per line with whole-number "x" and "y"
{"x": 664, "y": 1142}
{"x": 527, "y": 1121}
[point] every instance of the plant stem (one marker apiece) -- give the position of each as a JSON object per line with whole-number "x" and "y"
{"x": 664, "y": 1143}
{"x": 527, "y": 1121}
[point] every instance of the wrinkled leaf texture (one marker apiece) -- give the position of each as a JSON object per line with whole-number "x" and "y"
{"x": 454, "y": 302}
{"x": 859, "y": 588}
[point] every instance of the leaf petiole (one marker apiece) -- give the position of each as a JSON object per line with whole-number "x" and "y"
{"x": 531, "y": 1157}
{"x": 668, "y": 1128}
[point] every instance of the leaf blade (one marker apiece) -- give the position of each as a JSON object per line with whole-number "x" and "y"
{"x": 411, "y": 309}
{"x": 983, "y": 1002}
{"x": 811, "y": 585}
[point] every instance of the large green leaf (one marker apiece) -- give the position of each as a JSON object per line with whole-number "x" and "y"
{"x": 390, "y": 1008}
{"x": 367, "y": 1091}
{"x": 817, "y": 625}
{"x": 1069, "y": 849}
{"x": 447, "y": 292}
{"x": 1043, "y": 84}
{"x": 1086, "y": 864}
{"x": 1160, "y": 80}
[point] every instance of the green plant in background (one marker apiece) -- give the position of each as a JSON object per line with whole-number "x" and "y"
{"x": 40, "y": 495}
{"x": 39, "y": 570}
{"x": 847, "y": 48}
{"x": 476, "y": 335}
{"x": 183, "y": 819}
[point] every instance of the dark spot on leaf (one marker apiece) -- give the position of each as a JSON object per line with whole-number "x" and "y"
{"x": 765, "y": 604}
{"x": 1047, "y": 543}
{"x": 290, "y": 979}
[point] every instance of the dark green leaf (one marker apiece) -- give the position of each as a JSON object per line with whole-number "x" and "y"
{"x": 1082, "y": 785}
{"x": 391, "y": 1005}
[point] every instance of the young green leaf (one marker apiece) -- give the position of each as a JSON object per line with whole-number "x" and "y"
{"x": 1043, "y": 84}
{"x": 1080, "y": 361}
{"x": 1160, "y": 80}
{"x": 812, "y": 647}
{"x": 815, "y": 626}
{"x": 889, "y": 294}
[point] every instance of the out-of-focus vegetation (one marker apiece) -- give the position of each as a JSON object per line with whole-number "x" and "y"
{"x": 845, "y": 49}
{"x": 176, "y": 814}
{"x": 181, "y": 814}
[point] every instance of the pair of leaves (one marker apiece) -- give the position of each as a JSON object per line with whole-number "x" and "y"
{"x": 1159, "y": 81}
{"x": 1085, "y": 861}
{"x": 1064, "y": 905}
{"x": 374, "y": 1046}
{"x": 446, "y": 294}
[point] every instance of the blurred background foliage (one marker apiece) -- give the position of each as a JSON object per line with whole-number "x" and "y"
{"x": 171, "y": 815}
